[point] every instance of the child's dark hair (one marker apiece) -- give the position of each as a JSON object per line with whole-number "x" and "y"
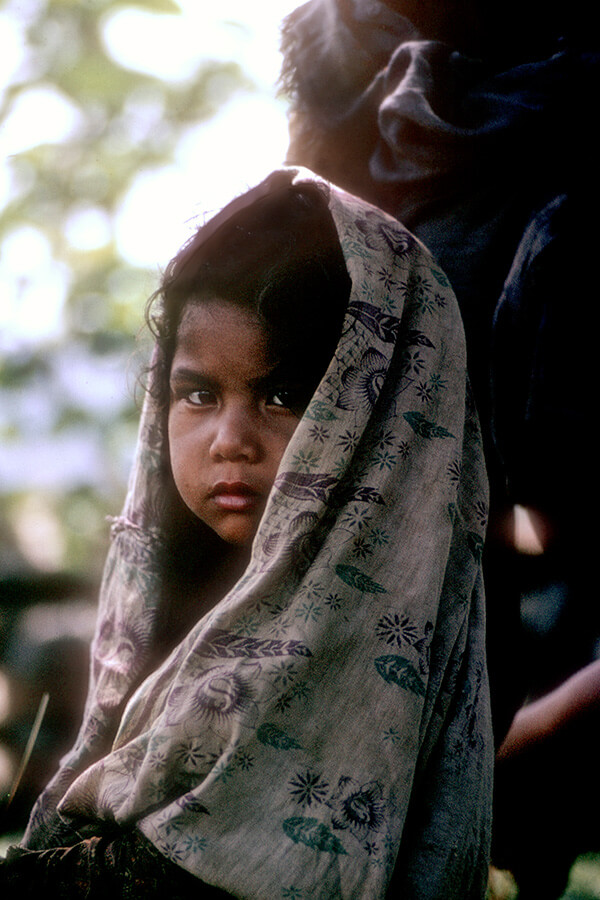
{"x": 276, "y": 252}
{"x": 278, "y": 256}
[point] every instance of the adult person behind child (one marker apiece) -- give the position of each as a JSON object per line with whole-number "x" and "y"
{"x": 473, "y": 123}
{"x": 546, "y": 780}
{"x": 470, "y": 122}
{"x": 289, "y": 693}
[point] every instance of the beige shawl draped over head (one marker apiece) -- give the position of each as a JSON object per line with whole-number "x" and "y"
{"x": 327, "y": 723}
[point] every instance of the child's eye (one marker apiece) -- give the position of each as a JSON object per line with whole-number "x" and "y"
{"x": 201, "y": 398}
{"x": 288, "y": 398}
{"x": 280, "y": 398}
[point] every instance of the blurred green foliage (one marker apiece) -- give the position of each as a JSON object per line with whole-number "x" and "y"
{"x": 68, "y": 411}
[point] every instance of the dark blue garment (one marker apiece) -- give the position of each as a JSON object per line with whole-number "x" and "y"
{"x": 465, "y": 151}
{"x": 481, "y": 142}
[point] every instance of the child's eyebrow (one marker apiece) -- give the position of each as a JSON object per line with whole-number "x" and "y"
{"x": 185, "y": 375}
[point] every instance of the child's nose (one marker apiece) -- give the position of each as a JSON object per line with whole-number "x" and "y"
{"x": 237, "y": 435}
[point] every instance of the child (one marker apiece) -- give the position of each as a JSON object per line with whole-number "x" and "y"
{"x": 288, "y": 694}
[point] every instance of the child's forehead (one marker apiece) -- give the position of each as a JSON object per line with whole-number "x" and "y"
{"x": 221, "y": 333}
{"x": 214, "y": 315}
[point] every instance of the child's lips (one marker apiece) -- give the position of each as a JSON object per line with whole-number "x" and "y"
{"x": 235, "y": 496}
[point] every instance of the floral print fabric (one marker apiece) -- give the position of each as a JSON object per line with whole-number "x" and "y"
{"x": 327, "y": 723}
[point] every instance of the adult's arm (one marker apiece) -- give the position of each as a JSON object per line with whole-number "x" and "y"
{"x": 575, "y": 698}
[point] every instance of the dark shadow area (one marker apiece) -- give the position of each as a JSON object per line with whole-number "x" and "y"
{"x": 47, "y": 622}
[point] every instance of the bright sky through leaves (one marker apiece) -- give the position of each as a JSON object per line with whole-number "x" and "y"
{"x": 213, "y": 160}
{"x": 123, "y": 124}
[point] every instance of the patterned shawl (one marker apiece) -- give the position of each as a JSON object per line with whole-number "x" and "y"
{"x": 328, "y": 720}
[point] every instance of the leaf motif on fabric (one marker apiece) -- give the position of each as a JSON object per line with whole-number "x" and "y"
{"x": 440, "y": 277}
{"x": 273, "y": 736}
{"x": 424, "y": 428}
{"x": 415, "y": 338}
{"x": 304, "y": 485}
{"x": 319, "y": 411}
{"x": 399, "y": 670}
{"x": 226, "y": 645}
{"x": 367, "y": 495}
{"x": 362, "y": 384}
{"x": 316, "y": 835}
{"x": 357, "y": 579}
{"x": 475, "y": 544}
{"x": 382, "y": 325}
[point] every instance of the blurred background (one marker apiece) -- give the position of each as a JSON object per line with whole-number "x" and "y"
{"x": 122, "y": 126}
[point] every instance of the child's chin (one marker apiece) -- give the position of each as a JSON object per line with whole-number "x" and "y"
{"x": 240, "y": 535}
{"x": 234, "y": 529}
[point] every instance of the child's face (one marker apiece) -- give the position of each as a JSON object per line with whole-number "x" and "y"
{"x": 228, "y": 422}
